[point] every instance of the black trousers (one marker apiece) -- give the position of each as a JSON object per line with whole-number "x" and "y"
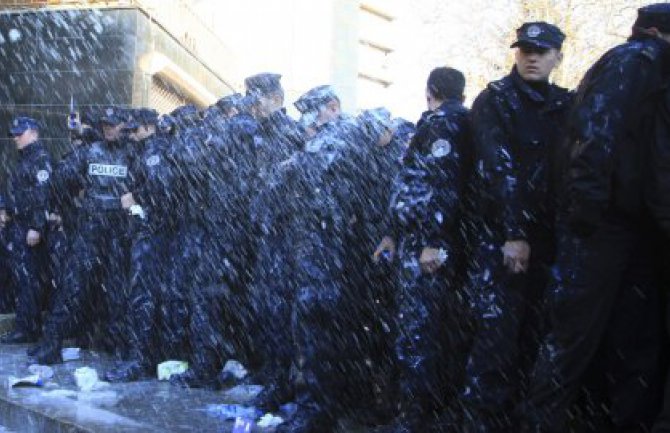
{"x": 604, "y": 294}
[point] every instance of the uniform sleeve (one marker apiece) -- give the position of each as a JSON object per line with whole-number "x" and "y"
{"x": 493, "y": 148}
{"x": 658, "y": 194}
{"x": 66, "y": 181}
{"x": 41, "y": 193}
{"x": 598, "y": 121}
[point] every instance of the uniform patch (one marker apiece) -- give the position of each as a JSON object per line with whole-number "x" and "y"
{"x": 533, "y": 31}
{"x": 153, "y": 160}
{"x": 107, "y": 170}
{"x": 42, "y": 176}
{"x": 440, "y": 148}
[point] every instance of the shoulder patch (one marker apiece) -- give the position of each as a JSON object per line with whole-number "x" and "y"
{"x": 440, "y": 148}
{"x": 153, "y": 160}
{"x": 42, "y": 176}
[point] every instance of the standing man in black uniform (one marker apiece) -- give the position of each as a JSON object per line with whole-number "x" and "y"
{"x": 278, "y": 135}
{"x": 157, "y": 317}
{"x": 605, "y": 290}
{"x": 517, "y": 123}
{"x": 102, "y": 171}
{"x": 27, "y": 205}
{"x": 426, "y": 211}
{"x": 274, "y": 137}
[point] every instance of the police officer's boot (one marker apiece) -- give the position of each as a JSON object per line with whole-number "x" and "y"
{"x": 411, "y": 419}
{"x": 32, "y": 350}
{"x": 128, "y": 371}
{"x": 17, "y": 337}
{"x": 308, "y": 419}
{"x": 202, "y": 373}
{"x": 49, "y": 352}
{"x": 276, "y": 391}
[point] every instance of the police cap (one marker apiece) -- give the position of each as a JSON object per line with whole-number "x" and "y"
{"x": 263, "y": 84}
{"x": 539, "y": 34}
{"x": 114, "y": 115}
{"x": 228, "y": 102}
{"x": 314, "y": 98}
{"x": 21, "y": 124}
{"x": 654, "y": 15}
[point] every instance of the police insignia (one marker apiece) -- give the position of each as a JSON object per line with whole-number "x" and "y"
{"x": 109, "y": 112}
{"x": 153, "y": 160}
{"x": 107, "y": 170}
{"x": 42, "y": 175}
{"x": 533, "y": 31}
{"x": 440, "y": 148}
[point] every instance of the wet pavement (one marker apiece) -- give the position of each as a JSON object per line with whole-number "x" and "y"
{"x": 148, "y": 406}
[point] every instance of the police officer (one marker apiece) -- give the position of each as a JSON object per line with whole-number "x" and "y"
{"x": 155, "y": 313}
{"x": 219, "y": 307}
{"x": 319, "y": 197}
{"x": 7, "y": 301}
{"x": 102, "y": 171}
{"x": 230, "y": 105}
{"x": 604, "y": 293}
{"x": 517, "y": 122}
{"x": 426, "y": 210}
{"x": 27, "y": 205}
{"x": 278, "y": 135}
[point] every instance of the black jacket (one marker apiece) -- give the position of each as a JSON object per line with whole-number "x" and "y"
{"x": 610, "y": 129}
{"x": 427, "y": 193}
{"x": 28, "y": 187}
{"x": 516, "y": 128}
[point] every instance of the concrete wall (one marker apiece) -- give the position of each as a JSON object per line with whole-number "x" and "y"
{"x": 93, "y": 55}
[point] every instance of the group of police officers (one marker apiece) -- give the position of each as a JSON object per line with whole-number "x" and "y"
{"x": 498, "y": 269}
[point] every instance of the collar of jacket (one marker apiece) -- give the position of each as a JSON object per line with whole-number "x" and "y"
{"x": 525, "y": 88}
{"x": 451, "y": 104}
{"x": 556, "y": 97}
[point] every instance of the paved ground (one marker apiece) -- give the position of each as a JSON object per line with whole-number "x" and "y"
{"x": 59, "y": 406}
{"x": 149, "y": 406}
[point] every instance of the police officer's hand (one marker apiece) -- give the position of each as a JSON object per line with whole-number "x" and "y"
{"x": 4, "y": 218}
{"x": 516, "y": 256}
{"x": 55, "y": 220}
{"x": 127, "y": 200}
{"x": 385, "y": 247}
{"x": 430, "y": 260}
{"x": 32, "y": 238}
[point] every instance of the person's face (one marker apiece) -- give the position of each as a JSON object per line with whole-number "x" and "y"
{"x": 385, "y": 138}
{"x": 28, "y": 137}
{"x": 268, "y": 104}
{"x": 112, "y": 132}
{"x": 143, "y": 132}
{"x": 535, "y": 63}
{"x": 231, "y": 112}
{"x": 432, "y": 102}
{"x": 329, "y": 112}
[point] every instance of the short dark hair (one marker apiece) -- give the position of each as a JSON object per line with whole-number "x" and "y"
{"x": 446, "y": 83}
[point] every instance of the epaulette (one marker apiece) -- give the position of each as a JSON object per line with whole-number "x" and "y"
{"x": 499, "y": 85}
{"x": 650, "y": 51}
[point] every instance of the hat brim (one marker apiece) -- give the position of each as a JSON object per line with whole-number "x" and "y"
{"x": 533, "y": 44}
{"x": 15, "y": 132}
{"x": 111, "y": 121}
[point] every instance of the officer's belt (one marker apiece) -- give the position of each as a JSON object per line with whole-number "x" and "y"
{"x": 103, "y": 202}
